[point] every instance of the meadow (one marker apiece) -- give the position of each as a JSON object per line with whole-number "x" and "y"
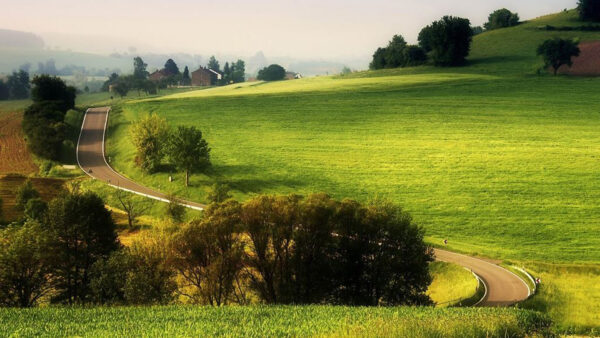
{"x": 261, "y": 321}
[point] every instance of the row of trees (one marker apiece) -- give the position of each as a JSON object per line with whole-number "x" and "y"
{"x": 446, "y": 41}
{"x": 16, "y": 87}
{"x": 272, "y": 249}
{"x": 44, "y": 121}
{"x": 234, "y": 72}
{"x": 184, "y": 147}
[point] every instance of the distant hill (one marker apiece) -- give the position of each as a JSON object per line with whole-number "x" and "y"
{"x": 17, "y": 39}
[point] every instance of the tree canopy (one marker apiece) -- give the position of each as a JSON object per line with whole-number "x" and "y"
{"x": 398, "y": 54}
{"x": 501, "y": 18}
{"x": 171, "y": 67}
{"x": 189, "y": 151}
{"x": 213, "y": 64}
{"x": 149, "y": 136}
{"x": 589, "y": 10}
{"x": 449, "y": 39}
{"x": 557, "y": 52}
{"x": 273, "y": 72}
{"x": 139, "y": 68}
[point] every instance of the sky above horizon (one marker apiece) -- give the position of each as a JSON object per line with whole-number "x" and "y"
{"x": 301, "y": 29}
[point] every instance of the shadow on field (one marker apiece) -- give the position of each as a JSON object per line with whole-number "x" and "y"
{"x": 495, "y": 60}
{"x": 244, "y": 179}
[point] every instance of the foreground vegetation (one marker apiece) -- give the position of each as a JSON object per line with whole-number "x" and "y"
{"x": 271, "y": 321}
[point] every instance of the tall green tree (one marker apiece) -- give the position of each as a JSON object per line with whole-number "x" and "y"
{"x": 185, "y": 77}
{"x": 52, "y": 89}
{"x": 24, "y": 193}
{"x": 83, "y": 232}
{"x": 501, "y": 18}
{"x": 26, "y": 258}
{"x": 378, "y": 61}
{"x": 18, "y": 85}
{"x": 273, "y": 72}
{"x": 189, "y": 151}
{"x": 139, "y": 69}
{"x": 4, "y": 91}
{"x": 589, "y": 10}
{"x": 171, "y": 67}
{"x": 213, "y": 64}
{"x": 239, "y": 71}
{"x": 150, "y": 135}
{"x": 450, "y": 40}
{"x": 558, "y": 52}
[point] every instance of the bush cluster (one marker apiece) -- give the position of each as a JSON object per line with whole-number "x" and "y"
{"x": 398, "y": 54}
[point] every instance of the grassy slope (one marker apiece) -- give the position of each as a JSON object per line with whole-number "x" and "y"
{"x": 451, "y": 284}
{"x": 269, "y": 321}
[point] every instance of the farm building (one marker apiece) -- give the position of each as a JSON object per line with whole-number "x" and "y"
{"x": 205, "y": 77}
{"x": 159, "y": 75}
{"x": 292, "y": 76}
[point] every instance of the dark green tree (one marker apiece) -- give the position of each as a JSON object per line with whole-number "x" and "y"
{"x": 189, "y": 151}
{"x": 394, "y": 52}
{"x": 83, "y": 232}
{"x": 24, "y": 193}
{"x": 4, "y": 91}
{"x": 450, "y": 41}
{"x": 44, "y": 129}
{"x": 557, "y": 52}
{"x": 185, "y": 77}
{"x": 214, "y": 64}
{"x": 171, "y": 67}
{"x": 501, "y": 18}
{"x": 378, "y": 61}
{"x": 36, "y": 209}
{"x": 53, "y": 89}
{"x": 121, "y": 87}
{"x": 414, "y": 56}
{"x": 589, "y": 10}
{"x": 139, "y": 68}
{"x": 271, "y": 73}
{"x": 239, "y": 71}
{"x": 18, "y": 85}
{"x": 425, "y": 39}
{"x": 112, "y": 79}
{"x": 226, "y": 74}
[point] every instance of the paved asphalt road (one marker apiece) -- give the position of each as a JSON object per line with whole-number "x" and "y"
{"x": 503, "y": 287}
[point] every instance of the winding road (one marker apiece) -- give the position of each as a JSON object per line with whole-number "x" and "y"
{"x": 503, "y": 288}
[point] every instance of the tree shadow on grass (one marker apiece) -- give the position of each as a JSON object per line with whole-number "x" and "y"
{"x": 250, "y": 179}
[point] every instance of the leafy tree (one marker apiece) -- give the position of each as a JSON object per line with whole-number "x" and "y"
{"x": 185, "y": 78}
{"x": 108, "y": 277}
{"x": 112, "y": 79}
{"x": 449, "y": 39}
{"x": 149, "y": 136}
{"x": 189, "y": 151}
{"x": 413, "y": 56}
{"x": 398, "y": 54}
{"x": 208, "y": 254}
{"x": 589, "y": 10}
{"x": 214, "y": 64}
{"x": 218, "y": 193}
{"x": 171, "y": 67}
{"x": 36, "y": 209}
{"x": 18, "y": 85}
{"x": 378, "y": 61}
{"x": 4, "y": 91}
{"x": 239, "y": 71}
{"x": 53, "y": 89}
{"x": 501, "y": 18}
{"x": 271, "y": 73}
{"x": 477, "y": 30}
{"x": 133, "y": 206}
{"x": 174, "y": 210}
{"x": 394, "y": 52}
{"x": 83, "y": 232}
{"x": 24, "y": 193}
{"x": 226, "y": 74}
{"x": 25, "y": 264}
{"x": 45, "y": 131}
{"x": 139, "y": 68}
{"x": 557, "y": 52}
{"x": 121, "y": 88}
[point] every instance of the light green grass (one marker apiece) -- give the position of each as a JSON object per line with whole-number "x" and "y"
{"x": 570, "y": 295}
{"x": 451, "y": 284}
{"x": 274, "y": 321}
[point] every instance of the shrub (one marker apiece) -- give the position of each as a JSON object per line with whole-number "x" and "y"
{"x": 271, "y": 73}
{"x": 501, "y": 18}
{"x": 36, "y": 209}
{"x": 24, "y": 193}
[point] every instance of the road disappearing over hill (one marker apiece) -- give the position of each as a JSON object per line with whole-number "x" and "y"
{"x": 503, "y": 287}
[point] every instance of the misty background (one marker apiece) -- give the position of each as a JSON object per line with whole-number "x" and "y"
{"x": 95, "y": 38}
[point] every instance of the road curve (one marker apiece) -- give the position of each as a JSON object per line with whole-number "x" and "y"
{"x": 503, "y": 287}
{"x": 91, "y": 159}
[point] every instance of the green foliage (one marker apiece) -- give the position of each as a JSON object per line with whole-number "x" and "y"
{"x": 426, "y": 39}
{"x": 278, "y": 321}
{"x": 501, "y": 18}
{"x": 589, "y": 10}
{"x": 271, "y": 73}
{"x": 18, "y": 85}
{"x": 24, "y": 194}
{"x": 171, "y": 67}
{"x": 450, "y": 41}
{"x": 174, "y": 210}
{"x": 185, "y": 77}
{"x": 83, "y": 232}
{"x": 53, "y": 89}
{"x": 219, "y": 193}
{"x": 4, "y": 91}
{"x": 234, "y": 73}
{"x": 109, "y": 277}
{"x": 149, "y": 136}
{"x": 121, "y": 87}
{"x": 398, "y": 54}
{"x": 557, "y": 52}
{"x": 36, "y": 209}
{"x": 188, "y": 150}
{"x": 25, "y": 261}
{"x": 213, "y": 64}
{"x": 139, "y": 68}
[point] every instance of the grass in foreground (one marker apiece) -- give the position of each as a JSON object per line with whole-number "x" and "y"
{"x": 451, "y": 284}
{"x": 263, "y": 321}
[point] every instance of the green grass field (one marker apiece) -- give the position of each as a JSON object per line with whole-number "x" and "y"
{"x": 270, "y": 321}
{"x": 451, "y": 284}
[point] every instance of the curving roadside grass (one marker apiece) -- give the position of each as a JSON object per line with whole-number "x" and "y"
{"x": 260, "y": 321}
{"x": 452, "y": 284}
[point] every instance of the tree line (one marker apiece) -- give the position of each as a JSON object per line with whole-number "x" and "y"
{"x": 271, "y": 250}
{"x": 16, "y": 86}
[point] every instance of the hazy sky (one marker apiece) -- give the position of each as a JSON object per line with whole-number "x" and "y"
{"x": 302, "y": 28}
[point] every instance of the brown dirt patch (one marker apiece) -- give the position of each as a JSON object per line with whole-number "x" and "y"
{"x": 14, "y": 156}
{"x": 48, "y": 188}
{"x": 588, "y": 61}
